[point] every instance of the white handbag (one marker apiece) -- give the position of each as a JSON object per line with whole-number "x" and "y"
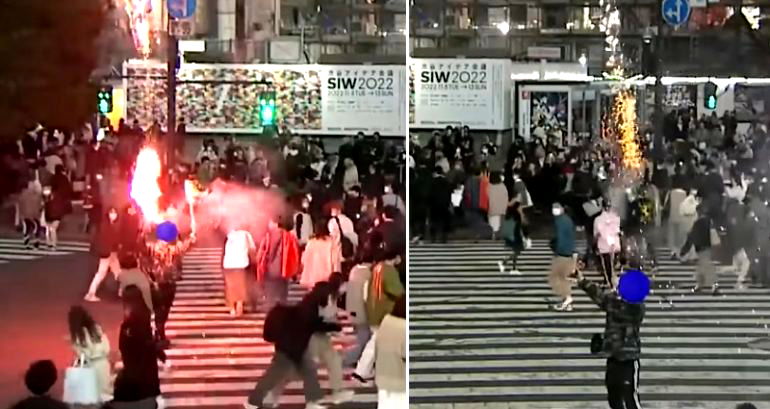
{"x": 80, "y": 384}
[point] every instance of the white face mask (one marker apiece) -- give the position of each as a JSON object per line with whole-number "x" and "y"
{"x": 556, "y": 211}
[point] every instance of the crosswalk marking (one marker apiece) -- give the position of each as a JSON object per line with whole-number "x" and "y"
{"x": 215, "y": 359}
{"x": 15, "y": 250}
{"x": 481, "y": 338}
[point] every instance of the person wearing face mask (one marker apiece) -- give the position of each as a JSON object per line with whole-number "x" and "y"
{"x": 106, "y": 244}
{"x": 290, "y": 328}
{"x": 563, "y": 264}
{"x": 321, "y": 257}
{"x": 277, "y": 262}
{"x": 688, "y": 215}
{"x": 607, "y": 237}
{"x": 621, "y": 343}
{"x": 321, "y": 345}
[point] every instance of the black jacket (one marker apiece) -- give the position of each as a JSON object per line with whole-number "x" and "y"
{"x": 107, "y": 238}
{"x": 622, "y": 326}
{"x": 302, "y": 321}
{"x": 699, "y": 236}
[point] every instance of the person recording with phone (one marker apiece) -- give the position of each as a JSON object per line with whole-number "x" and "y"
{"x": 620, "y": 343}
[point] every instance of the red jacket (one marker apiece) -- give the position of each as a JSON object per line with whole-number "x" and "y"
{"x": 289, "y": 255}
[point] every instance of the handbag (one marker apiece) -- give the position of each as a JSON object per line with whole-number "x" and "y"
{"x": 591, "y": 208}
{"x": 597, "y": 341}
{"x": 714, "y": 237}
{"x": 80, "y": 384}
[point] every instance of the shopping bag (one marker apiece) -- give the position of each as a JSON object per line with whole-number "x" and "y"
{"x": 714, "y": 237}
{"x": 80, "y": 384}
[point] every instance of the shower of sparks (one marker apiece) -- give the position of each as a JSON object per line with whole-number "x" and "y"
{"x": 610, "y": 25}
{"x": 139, "y": 13}
{"x": 625, "y": 124}
{"x": 145, "y": 190}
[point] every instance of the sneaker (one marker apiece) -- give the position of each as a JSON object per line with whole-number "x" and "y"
{"x": 564, "y": 307}
{"x": 340, "y": 397}
{"x": 501, "y": 266}
{"x": 232, "y": 312}
{"x": 314, "y": 405}
{"x": 515, "y": 273}
{"x": 359, "y": 378}
{"x": 91, "y": 298}
{"x": 270, "y": 401}
{"x": 248, "y": 405}
{"x": 715, "y": 290}
{"x": 740, "y": 286}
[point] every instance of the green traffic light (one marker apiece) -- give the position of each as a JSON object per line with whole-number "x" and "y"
{"x": 104, "y": 106}
{"x": 711, "y": 103}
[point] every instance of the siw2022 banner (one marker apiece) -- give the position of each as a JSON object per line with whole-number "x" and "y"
{"x": 472, "y": 92}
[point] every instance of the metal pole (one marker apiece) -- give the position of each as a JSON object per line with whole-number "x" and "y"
{"x": 171, "y": 90}
{"x": 659, "y": 88}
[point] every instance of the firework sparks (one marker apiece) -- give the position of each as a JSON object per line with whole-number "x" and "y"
{"x": 624, "y": 116}
{"x": 145, "y": 190}
{"x": 139, "y": 13}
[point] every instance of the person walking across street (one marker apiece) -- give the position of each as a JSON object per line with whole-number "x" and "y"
{"x": 563, "y": 264}
{"x": 702, "y": 237}
{"x": 621, "y": 343}
{"x": 514, "y": 233}
{"x": 106, "y": 244}
{"x": 278, "y": 261}
{"x": 607, "y": 236}
{"x": 239, "y": 248}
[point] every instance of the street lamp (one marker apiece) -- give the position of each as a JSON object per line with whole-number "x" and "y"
{"x": 504, "y": 27}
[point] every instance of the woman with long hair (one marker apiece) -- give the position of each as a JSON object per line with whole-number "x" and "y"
{"x": 514, "y": 233}
{"x": 58, "y": 205}
{"x": 105, "y": 244}
{"x": 238, "y": 256}
{"x": 138, "y": 349}
{"x": 92, "y": 346}
{"x": 322, "y": 256}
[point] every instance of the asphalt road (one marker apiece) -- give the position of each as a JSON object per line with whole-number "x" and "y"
{"x": 35, "y": 296}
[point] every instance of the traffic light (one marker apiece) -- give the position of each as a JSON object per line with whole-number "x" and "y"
{"x": 710, "y": 95}
{"x": 104, "y": 100}
{"x": 267, "y": 108}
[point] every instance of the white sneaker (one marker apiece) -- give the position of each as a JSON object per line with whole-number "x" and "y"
{"x": 515, "y": 273}
{"x": 340, "y": 397}
{"x": 501, "y": 266}
{"x": 91, "y": 298}
{"x": 248, "y": 405}
{"x": 314, "y": 405}
{"x": 270, "y": 401}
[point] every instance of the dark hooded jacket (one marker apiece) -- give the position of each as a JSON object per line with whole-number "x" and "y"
{"x": 622, "y": 340}
{"x": 301, "y": 321}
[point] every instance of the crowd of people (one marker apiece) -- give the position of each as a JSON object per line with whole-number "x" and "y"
{"x": 342, "y": 237}
{"x": 703, "y": 194}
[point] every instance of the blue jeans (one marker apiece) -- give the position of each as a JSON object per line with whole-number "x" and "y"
{"x": 363, "y": 333}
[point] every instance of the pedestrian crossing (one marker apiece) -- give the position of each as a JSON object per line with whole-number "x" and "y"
{"x": 14, "y": 250}
{"x": 215, "y": 360}
{"x": 481, "y": 338}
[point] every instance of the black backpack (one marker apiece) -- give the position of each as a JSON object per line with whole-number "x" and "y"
{"x": 274, "y": 321}
{"x": 348, "y": 250}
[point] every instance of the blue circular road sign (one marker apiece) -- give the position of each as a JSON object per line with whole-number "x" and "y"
{"x": 675, "y": 12}
{"x": 181, "y": 8}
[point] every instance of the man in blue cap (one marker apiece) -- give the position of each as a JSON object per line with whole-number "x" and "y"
{"x": 621, "y": 342}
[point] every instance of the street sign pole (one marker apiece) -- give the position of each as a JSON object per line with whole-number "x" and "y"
{"x": 658, "y": 152}
{"x": 171, "y": 90}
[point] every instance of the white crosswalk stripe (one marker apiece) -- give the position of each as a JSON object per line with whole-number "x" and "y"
{"x": 14, "y": 250}
{"x": 215, "y": 359}
{"x": 481, "y": 338}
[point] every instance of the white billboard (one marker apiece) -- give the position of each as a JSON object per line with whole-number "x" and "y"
{"x": 472, "y": 92}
